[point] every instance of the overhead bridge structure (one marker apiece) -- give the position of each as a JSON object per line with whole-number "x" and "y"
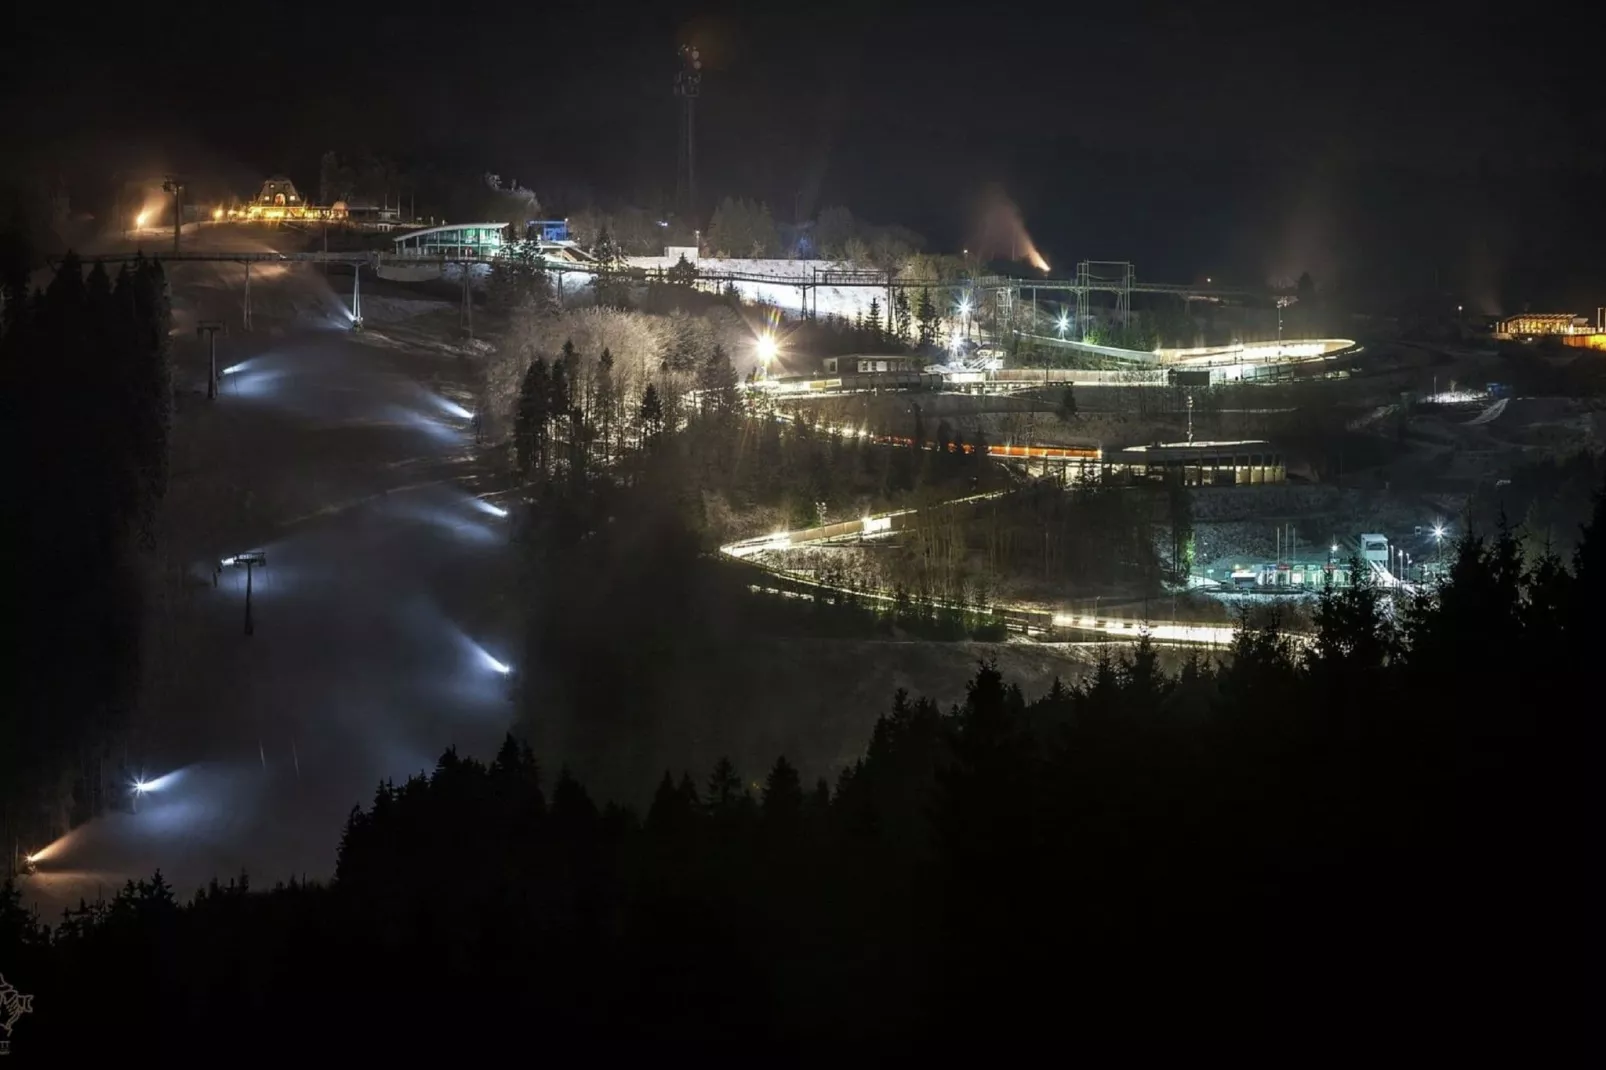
{"x": 813, "y": 279}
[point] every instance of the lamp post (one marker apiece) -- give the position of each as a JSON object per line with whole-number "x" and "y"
{"x": 174, "y": 185}
{"x": 356, "y": 296}
{"x": 254, "y": 559}
{"x": 210, "y": 329}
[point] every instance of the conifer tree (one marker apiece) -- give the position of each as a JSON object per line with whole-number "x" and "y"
{"x": 650, "y": 419}
{"x": 532, "y": 420}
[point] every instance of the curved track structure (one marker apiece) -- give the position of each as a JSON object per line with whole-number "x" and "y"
{"x": 1021, "y": 619}
{"x": 1241, "y": 354}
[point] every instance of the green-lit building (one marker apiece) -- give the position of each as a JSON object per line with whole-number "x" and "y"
{"x": 467, "y": 241}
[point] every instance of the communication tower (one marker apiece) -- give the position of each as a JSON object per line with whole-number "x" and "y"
{"x": 688, "y": 84}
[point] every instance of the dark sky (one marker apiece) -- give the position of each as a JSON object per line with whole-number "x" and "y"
{"x": 1256, "y": 141}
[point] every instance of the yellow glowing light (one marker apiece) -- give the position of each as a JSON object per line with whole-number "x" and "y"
{"x": 139, "y": 221}
{"x": 217, "y": 213}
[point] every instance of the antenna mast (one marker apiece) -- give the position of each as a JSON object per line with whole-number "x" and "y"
{"x": 688, "y": 84}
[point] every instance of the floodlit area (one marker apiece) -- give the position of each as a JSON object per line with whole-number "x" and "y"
{"x": 339, "y": 467}
{"x": 778, "y": 283}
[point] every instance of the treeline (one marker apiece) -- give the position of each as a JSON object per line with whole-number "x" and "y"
{"x": 1379, "y": 838}
{"x": 86, "y": 390}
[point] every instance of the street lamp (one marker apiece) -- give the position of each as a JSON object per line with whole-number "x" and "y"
{"x": 175, "y": 185}
{"x": 1063, "y": 324}
{"x": 252, "y": 560}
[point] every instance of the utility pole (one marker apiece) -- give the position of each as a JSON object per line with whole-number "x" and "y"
{"x": 1190, "y": 417}
{"x": 466, "y": 312}
{"x": 246, "y": 317}
{"x": 175, "y": 185}
{"x": 210, "y": 329}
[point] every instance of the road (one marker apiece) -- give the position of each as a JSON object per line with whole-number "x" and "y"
{"x": 373, "y": 646}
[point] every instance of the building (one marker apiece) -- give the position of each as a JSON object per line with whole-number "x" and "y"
{"x": 863, "y": 365}
{"x": 1289, "y": 576}
{"x": 1204, "y": 464}
{"x": 1536, "y": 324}
{"x": 279, "y": 200}
{"x": 1375, "y": 549}
{"x": 461, "y": 241}
{"x": 554, "y": 230}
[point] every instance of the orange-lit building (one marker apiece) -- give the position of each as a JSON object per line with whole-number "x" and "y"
{"x": 279, "y": 200}
{"x": 1533, "y": 324}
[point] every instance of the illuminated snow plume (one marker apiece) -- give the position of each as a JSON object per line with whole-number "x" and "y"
{"x": 254, "y": 379}
{"x": 454, "y": 511}
{"x": 450, "y": 407}
{"x": 490, "y": 508}
{"x": 1000, "y": 232}
{"x": 420, "y": 421}
{"x": 145, "y": 784}
{"x": 483, "y": 658}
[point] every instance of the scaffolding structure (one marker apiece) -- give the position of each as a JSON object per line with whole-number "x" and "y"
{"x": 1114, "y": 276}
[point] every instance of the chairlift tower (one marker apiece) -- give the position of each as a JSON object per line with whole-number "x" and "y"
{"x": 174, "y": 184}
{"x": 688, "y": 84}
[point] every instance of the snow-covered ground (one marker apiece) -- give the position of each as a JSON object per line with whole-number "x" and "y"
{"x": 347, "y": 458}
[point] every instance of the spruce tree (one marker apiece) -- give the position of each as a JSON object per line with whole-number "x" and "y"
{"x": 650, "y": 418}
{"x": 872, "y": 321}
{"x": 927, "y": 319}
{"x": 604, "y": 403}
{"x": 783, "y": 794}
{"x": 531, "y": 420}
{"x": 901, "y": 316}
{"x": 725, "y": 792}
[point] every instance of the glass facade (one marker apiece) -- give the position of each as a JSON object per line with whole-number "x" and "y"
{"x": 472, "y": 241}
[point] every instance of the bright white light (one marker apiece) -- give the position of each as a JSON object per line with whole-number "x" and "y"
{"x": 955, "y": 340}
{"x": 1438, "y": 532}
{"x": 494, "y": 665}
{"x": 1064, "y": 323}
{"x": 487, "y": 507}
{"x": 964, "y": 306}
{"x": 450, "y": 407}
{"x": 141, "y": 787}
{"x": 767, "y": 348}
{"x": 1333, "y": 549}
{"x": 232, "y": 368}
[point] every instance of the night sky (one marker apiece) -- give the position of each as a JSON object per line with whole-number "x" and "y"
{"x": 1454, "y": 148}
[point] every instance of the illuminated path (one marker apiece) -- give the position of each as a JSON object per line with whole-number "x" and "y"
{"x": 1022, "y": 619}
{"x": 375, "y": 638}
